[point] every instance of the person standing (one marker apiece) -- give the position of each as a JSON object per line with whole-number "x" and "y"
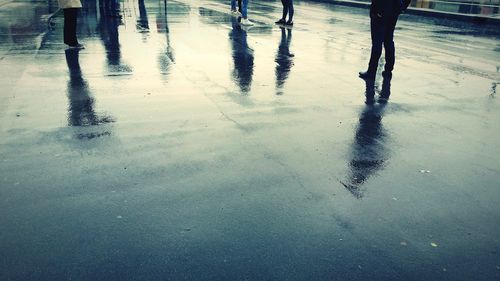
{"x": 287, "y": 10}
{"x": 70, "y": 9}
{"x": 243, "y": 9}
{"x": 383, "y": 17}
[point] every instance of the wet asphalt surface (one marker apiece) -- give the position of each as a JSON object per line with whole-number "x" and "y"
{"x": 180, "y": 146}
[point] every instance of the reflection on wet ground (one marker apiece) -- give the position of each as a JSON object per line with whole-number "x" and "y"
{"x": 284, "y": 59}
{"x": 81, "y": 105}
{"x": 242, "y": 56}
{"x": 180, "y": 145}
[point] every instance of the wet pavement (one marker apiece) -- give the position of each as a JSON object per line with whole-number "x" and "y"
{"x": 181, "y": 146}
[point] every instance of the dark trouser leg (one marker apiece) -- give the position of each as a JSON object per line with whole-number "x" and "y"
{"x": 377, "y": 33}
{"x": 285, "y": 9}
{"x": 290, "y": 10}
{"x": 70, "y": 16}
{"x": 389, "y": 48}
{"x": 239, "y": 6}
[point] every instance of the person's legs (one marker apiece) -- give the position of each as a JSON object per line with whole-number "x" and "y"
{"x": 70, "y": 17}
{"x": 239, "y": 6}
{"x": 244, "y": 9}
{"x": 390, "y": 50}
{"x": 377, "y": 34}
{"x": 285, "y": 9}
{"x": 233, "y": 5}
{"x": 290, "y": 10}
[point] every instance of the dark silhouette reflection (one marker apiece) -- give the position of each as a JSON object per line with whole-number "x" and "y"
{"x": 370, "y": 91}
{"x": 142, "y": 21}
{"x": 108, "y": 30}
{"x": 284, "y": 59}
{"x": 81, "y": 103}
{"x": 384, "y": 95}
{"x": 166, "y": 58}
{"x": 242, "y": 57}
{"x": 110, "y": 8}
{"x": 386, "y": 90}
{"x": 368, "y": 152}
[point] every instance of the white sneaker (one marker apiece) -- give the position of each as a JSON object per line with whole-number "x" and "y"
{"x": 236, "y": 13}
{"x": 246, "y": 22}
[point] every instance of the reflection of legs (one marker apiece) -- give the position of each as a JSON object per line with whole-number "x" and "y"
{"x": 233, "y": 5}
{"x": 389, "y": 47}
{"x": 289, "y": 38}
{"x": 370, "y": 91}
{"x": 70, "y": 17}
{"x": 386, "y": 90}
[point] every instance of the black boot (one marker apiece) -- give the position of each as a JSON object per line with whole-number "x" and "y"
{"x": 367, "y": 75}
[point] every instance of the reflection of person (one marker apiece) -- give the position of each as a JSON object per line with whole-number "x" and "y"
{"x": 233, "y": 7}
{"x": 287, "y": 10}
{"x": 70, "y": 9}
{"x": 81, "y": 104}
{"x": 368, "y": 153}
{"x": 242, "y": 57}
{"x": 108, "y": 30}
{"x": 383, "y": 17}
{"x": 386, "y": 90}
{"x": 111, "y": 8}
{"x": 242, "y": 9}
{"x": 384, "y": 93}
{"x": 284, "y": 59}
{"x": 166, "y": 57}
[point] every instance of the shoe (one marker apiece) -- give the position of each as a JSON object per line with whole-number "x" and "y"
{"x": 236, "y": 13}
{"x": 367, "y": 75}
{"x": 281, "y": 21}
{"x": 246, "y": 22}
{"x": 289, "y": 23}
{"x": 77, "y": 46}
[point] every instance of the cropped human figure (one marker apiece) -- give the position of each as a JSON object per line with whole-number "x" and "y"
{"x": 70, "y": 9}
{"x": 287, "y": 10}
{"x": 242, "y": 9}
{"x": 383, "y": 18}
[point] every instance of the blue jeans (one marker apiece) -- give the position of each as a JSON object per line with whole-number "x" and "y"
{"x": 243, "y": 7}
